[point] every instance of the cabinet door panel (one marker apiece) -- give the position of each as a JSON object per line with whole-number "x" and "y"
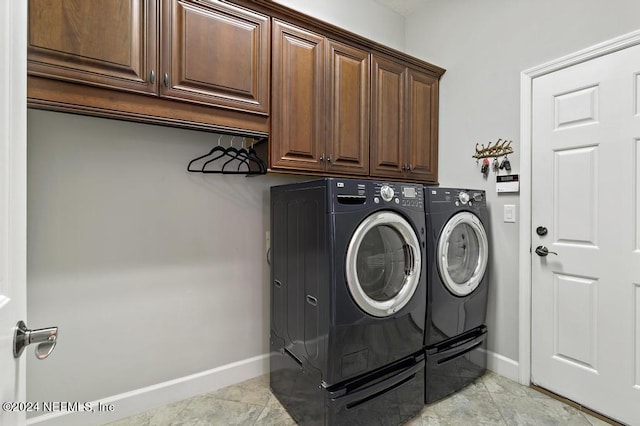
{"x": 215, "y": 53}
{"x": 108, "y": 43}
{"x": 297, "y": 129}
{"x": 387, "y": 110}
{"x": 347, "y": 109}
{"x": 422, "y": 125}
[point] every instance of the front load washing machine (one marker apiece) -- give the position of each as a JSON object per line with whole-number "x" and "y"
{"x": 458, "y": 279}
{"x": 348, "y": 300}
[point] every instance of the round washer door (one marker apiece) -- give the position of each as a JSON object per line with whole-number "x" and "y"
{"x": 383, "y": 263}
{"x": 462, "y": 253}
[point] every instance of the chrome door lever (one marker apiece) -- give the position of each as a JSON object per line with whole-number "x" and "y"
{"x": 46, "y": 339}
{"x": 543, "y": 251}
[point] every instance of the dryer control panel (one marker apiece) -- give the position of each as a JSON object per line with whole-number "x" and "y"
{"x": 459, "y": 197}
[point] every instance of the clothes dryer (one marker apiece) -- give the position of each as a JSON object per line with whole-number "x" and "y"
{"x": 348, "y": 300}
{"x": 458, "y": 280}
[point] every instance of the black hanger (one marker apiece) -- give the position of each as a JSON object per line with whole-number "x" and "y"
{"x": 222, "y": 150}
{"x": 239, "y": 155}
{"x": 248, "y": 162}
{"x": 251, "y": 159}
{"x": 253, "y": 156}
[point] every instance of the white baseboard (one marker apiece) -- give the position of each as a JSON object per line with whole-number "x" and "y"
{"x": 504, "y": 366}
{"x": 140, "y": 400}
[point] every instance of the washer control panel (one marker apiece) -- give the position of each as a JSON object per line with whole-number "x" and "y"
{"x": 400, "y": 194}
{"x": 463, "y": 197}
{"x": 353, "y": 192}
{"x": 387, "y": 193}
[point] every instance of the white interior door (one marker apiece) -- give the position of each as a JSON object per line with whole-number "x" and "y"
{"x": 13, "y": 193}
{"x": 586, "y": 192}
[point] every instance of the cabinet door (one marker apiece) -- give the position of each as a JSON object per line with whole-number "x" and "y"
{"x": 422, "y": 126}
{"x": 215, "y": 53}
{"x": 297, "y": 120}
{"x": 104, "y": 43}
{"x": 347, "y": 114}
{"x": 387, "y": 116}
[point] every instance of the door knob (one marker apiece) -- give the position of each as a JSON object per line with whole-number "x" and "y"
{"x": 543, "y": 251}
{"x": 542, "y": 231}
{"x": 45, "y": 338}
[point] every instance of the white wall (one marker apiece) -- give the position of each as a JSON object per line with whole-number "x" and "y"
{"x": 484, "y": 46}
{"x": 364, "y": 17}
{"x": 152, "y": 273}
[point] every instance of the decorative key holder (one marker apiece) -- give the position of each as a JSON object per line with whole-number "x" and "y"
{"x": 499, "y": 149}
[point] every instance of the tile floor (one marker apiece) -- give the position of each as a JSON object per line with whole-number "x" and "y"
{"x": 491, "y": 400}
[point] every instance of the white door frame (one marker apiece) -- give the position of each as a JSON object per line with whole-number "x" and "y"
{"x": 526, "y": 95}
{"x": 13, "y": 217}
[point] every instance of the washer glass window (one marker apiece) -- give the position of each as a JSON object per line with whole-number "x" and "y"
{"x": 383, "y": 263}
{"x": 462, "y": 253}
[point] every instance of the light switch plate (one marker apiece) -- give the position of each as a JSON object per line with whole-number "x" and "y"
{"x": 509, "y": 213}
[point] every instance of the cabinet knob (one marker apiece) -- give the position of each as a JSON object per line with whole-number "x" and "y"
{"x": 166, "y": 80}
{"x": 152, "y": 76}
{"x": 322, "y": 157}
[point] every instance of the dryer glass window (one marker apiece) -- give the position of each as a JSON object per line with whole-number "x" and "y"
{"x": 382, "y": 263}
{"x": 462, "y": 253}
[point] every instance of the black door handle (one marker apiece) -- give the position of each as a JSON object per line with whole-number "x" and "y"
{"x": 543, "y": 251}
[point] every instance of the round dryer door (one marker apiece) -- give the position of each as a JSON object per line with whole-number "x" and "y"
{"x": 462, "y": 253}
{"x": 383, "y": 263}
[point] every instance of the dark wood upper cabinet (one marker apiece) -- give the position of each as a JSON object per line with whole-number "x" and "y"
{"x": 215, "y": 53}
{"x": 297, "y": 120}
{"x": 388, "y": 150}
{"x": 347, "y": 115}
{"x": 205, "y": 52}
{"x": 320, "y": 113}
{"x": 105, "y": 43}
{"x": 404, "y": 132}
{"x": 422, "y": 125}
